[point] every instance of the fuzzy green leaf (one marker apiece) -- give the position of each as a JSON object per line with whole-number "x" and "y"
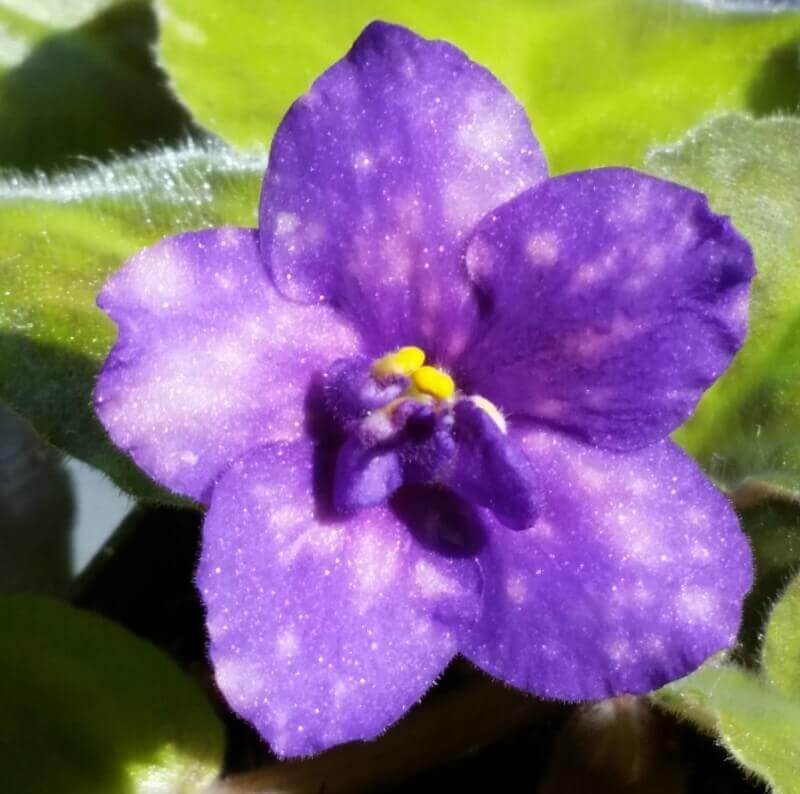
{"x": 90, "y": 709}
{"x": 602, "y": 79}
{"x": 748, "y": 424}
{"x": 59, "y": 241}
{"x": 755, "y": 723}
{"x": 781, "y": 655}
{"x": 773, "y": 528}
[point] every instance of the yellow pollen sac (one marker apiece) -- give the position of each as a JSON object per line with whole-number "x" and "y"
{"x": 434, "y": 382}
{"x": 405, "y": 361}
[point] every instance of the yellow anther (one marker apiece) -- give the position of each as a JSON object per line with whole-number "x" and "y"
{"x": 430, "y": 380}
{"x": 405, "y": 361}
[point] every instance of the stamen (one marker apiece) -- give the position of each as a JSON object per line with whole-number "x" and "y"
{"x": 426, "y": 382}
{"x": 434, "y": 382}
{"x": 490, "y": 408}
{"x": 405, "y": 361}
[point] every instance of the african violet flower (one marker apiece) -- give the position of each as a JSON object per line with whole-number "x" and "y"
{"x": 427, "y": 403}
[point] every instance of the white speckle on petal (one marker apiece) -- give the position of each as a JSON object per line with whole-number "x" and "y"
{"x": 432, "y": 582}
{"x": 740, "y": 311}
{"x": 655, "y": 256}
{"x": 286, "y": 644}
{"x": 314, "y": 542}
{"x": 479, "y": 260}
{"x": 362, "y": 161}
{"x": 375, "y": 564}
{"x": 697, "y": 604}
{"x": 228, "y": 236}
{"x": 516, "y": 589}
{"x": 655, "y": 645}
{"x": 685, "y": 233}
{"x": 397, "y": 257}
{"x": 408, "y": 214}
{"x": 339, "y": 691}
{"x": 699, "y": 552}
{"x": 463, "y": 205}
{"x": 550, "y": 408}
{"x": 238, "y": 678}
{"x": 590, "y": 273}
{"x": 640, "y": 594}
{"x": 542, "y": 249}
{"x": 161, "y": 283}
{"x": 542, "y": 529}
{"x": 634, "y": 207}
{"x": 593, "y": 341}
{"x": 618, "y": 649}
{"x": 283, "y": 516}
{"x": 486, "y": 133}
{"x": 286, "y": 223}
{"x": 590, "y": 477}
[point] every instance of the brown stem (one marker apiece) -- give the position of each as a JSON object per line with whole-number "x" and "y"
{"x": 751, "y": 493}
{"x": 439, "y": 730}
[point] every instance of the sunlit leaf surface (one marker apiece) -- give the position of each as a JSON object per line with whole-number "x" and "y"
{"x": 748, "y": 424}
{"x": 781, "y": 654}
{"x": 601, "y": 79}
{"x": 59, "y": 240}
{"x": 754, "y": 723}
{"x": 90, "y": 709}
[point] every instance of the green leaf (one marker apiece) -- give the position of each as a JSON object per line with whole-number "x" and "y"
{"x": 59, "y": 241}
{"x": 602, "y": 79}
{"x": 756, "y": 717}
{"x": 90, "y": 709}
{"x": 78, "y": 79}
{"x": 748, "y": 424}
{"x": 773, "y": 528}
{"x": 755, "y": 723}
{"x": 781, "y": 655}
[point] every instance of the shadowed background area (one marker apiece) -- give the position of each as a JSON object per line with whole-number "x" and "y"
{"x": 87, "y": 92}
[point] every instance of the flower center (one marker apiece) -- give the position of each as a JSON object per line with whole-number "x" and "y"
{"x": 426, "y": 384}
{"x": 409, "y": 362}
{"x": 406, "y": 422}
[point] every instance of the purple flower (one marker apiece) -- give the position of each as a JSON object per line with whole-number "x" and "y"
{"x": 515, "y": 499}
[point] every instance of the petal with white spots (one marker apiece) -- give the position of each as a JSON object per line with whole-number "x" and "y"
{"x": 323, "y": 629}
{"x": 616, "y": 300}
{"x": 210, "y": 360}
{"x": 633, "y": 576}
{"x": 377, "y": 175}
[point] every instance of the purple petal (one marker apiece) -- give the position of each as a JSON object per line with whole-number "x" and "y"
{"x": 426, "y": 446}
{"x": 616, "y": 298}
{"x": 366, "y": 475}
{"x": 350, "y": 393}
{"x": 210, "y": 361}
{"x": 491, "y": 469}
{"x": 376, "y": 176}
{"x": 633, "y": 575}
{"x": 322, "y": 631}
